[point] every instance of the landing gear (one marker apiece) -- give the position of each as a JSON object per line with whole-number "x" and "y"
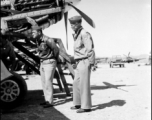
{"x": 12, "y": 91}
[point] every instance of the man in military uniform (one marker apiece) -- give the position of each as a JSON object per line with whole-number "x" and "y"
{"x": 84, "y": 56}
{"x": 48, "y": 54}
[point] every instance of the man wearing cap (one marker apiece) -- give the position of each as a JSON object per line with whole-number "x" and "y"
{"x": 48, "y": 54}
{"x": 84, "y": 56}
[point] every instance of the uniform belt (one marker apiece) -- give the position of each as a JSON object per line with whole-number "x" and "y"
{"x": 41, "y": 60}
{"x": 77, "y": 60}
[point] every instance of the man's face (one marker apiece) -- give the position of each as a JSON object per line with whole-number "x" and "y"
{"x": 75, "y": 26}
{"x": 35, "y": 34}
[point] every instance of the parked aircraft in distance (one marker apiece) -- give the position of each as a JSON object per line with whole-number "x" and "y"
{"x": 129, "y": 59}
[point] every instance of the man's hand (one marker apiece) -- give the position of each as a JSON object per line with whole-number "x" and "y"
{"x": 37, "y": 54}
{"x": 93, "y": 68}
{"x": 74, "y": 66}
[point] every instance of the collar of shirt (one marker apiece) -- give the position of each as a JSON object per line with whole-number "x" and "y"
{"x": 80, "y": 28}
{"x": 77, "y": 32}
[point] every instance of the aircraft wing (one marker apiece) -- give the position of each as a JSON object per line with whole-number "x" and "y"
{"x": 139, "y": 59}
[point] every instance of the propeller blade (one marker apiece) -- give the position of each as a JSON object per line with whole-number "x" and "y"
{"x": 128, "y": 54}
{"x": 86, "y": 18}
{"x": 66, "y": 27}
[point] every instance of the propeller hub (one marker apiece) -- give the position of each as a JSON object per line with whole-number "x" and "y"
{"x": 73, "y": 2}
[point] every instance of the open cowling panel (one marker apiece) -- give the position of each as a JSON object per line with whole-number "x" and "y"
{"x": 19, "y": 17}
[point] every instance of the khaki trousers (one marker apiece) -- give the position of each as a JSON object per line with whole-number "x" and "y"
{"x": 47, "y": 70}
{"x": 81, "y": 85}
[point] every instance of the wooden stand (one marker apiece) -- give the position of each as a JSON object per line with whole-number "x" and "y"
{"x": 60, "y": 75}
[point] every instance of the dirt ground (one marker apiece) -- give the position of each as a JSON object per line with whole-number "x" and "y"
{"x": 128, "y": 98}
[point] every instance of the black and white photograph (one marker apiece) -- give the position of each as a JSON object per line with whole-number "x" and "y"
{"x": 75, "y": 60}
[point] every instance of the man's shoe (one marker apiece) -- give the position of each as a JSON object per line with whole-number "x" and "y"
{"x": 83, "y": 110}
{"x": 75, "y": 107}
{"x": 44, "y": 103}
{"x": 47, "y": 105}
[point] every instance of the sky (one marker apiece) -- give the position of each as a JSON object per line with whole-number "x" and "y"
{"x": 122, "y": 26}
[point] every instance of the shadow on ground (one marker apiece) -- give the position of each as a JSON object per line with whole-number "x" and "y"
{"x": 31, "y": 110}
{"x": 108, "y": 86}
{"x": 110, "y": 104}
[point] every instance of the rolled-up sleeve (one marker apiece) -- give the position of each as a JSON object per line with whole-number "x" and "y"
{"x": 53, "y": 46}
{"x": 86, "y": 38}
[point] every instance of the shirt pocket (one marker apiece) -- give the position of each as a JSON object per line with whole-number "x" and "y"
{"x": 42, "y": 47}
{"x": 79, "y": 44}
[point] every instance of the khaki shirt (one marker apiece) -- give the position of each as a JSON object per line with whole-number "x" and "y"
{"x": 84, "y": 46}
{"x": 47, "y": 48}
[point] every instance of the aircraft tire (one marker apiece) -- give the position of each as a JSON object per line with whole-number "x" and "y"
{"x": 13, "y": 91}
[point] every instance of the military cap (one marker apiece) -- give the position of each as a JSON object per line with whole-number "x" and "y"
{"x": 75, "y": 19}
{"x": 36, "y": 28}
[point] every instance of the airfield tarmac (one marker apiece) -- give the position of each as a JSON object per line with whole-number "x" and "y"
{"x": 131, "y": 101}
